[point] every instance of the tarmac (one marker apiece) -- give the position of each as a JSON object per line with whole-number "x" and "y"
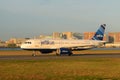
{"x": 46, "y": 57}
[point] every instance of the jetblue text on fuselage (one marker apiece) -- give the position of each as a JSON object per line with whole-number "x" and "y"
{"x": 47, "y": 42}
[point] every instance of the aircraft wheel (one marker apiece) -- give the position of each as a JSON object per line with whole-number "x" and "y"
{"x": 58, "y": 52}
{"x": 33, "y": 55}
{"x": 70, "y": 54}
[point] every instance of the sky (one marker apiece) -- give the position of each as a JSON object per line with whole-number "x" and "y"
{"x": 28, "y": 18}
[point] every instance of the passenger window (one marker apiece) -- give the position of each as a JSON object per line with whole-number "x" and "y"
{"x": 27, "y": 42}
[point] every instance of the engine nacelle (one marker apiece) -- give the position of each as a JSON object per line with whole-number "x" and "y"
{"x": 65, "y": 51}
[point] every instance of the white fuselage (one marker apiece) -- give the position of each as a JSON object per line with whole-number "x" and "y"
{"x": 55, "y": 44}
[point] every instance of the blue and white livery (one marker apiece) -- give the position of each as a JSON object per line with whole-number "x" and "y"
{"x": 63, "y": 45}
{"x": 99, "y": 35}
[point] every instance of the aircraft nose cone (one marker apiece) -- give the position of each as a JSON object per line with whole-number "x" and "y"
{"x": 22, "y": 46}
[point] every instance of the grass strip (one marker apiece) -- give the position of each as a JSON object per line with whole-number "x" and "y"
{"x": 61, "y": 69}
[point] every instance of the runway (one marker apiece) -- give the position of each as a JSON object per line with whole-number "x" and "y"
{"x": 47, "y": 57}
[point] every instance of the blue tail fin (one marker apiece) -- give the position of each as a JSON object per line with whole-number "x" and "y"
{"x": 100, "y": 33}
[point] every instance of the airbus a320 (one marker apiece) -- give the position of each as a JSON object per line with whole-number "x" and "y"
{"x": 64, "y": 46}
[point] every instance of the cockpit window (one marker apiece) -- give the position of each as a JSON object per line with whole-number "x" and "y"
{"x": 27, "y": 42}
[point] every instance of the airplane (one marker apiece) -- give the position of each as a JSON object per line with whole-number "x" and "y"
{"x": 64, "y": 46}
